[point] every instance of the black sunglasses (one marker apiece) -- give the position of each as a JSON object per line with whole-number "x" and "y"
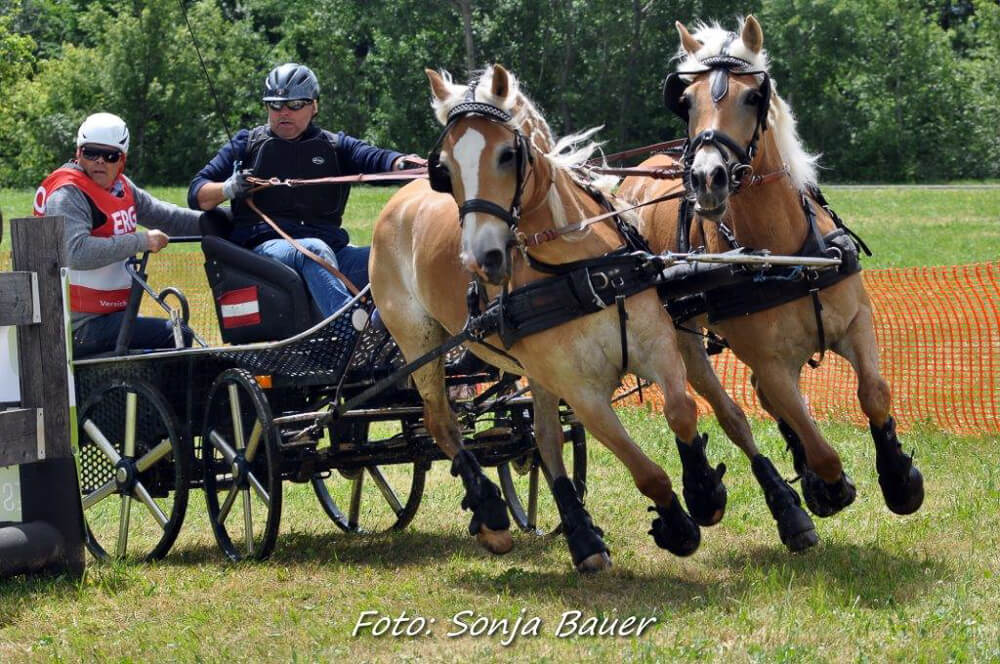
{"x": 93, "y": 154}
{"x": 293, "y": 105}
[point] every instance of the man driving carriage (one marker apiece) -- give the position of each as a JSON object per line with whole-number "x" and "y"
{"x": 101, "y": 207}
{"x": 291, "y": 146}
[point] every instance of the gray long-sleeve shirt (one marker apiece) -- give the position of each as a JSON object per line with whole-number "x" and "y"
{"x": 87, "y": 252}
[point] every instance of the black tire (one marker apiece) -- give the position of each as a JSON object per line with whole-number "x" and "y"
{"x": 240, "y": 462}
{"x": 528, "y": 497}
{"x": 377, "y": 498}
{"x": 132, "y": 449}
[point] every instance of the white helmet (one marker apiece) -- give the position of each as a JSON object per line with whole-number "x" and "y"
{"x": 104, "y": 129}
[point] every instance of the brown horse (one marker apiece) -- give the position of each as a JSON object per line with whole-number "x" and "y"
{"x": 501, "y": 165}
{"x": 742, "y": 140}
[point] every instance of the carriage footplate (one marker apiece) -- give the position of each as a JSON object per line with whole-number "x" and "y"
{"x": 482, "y": 496}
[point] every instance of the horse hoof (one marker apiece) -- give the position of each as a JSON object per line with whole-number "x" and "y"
{"x": 796, "y": 530}
{"x": 495, "y": 541}
{"x": 674, "y": 530}
{"x": 903, "y": 495}
{"x": 706, "y": 501}
{"x": 827, "y": 499}
{"x": 595, "y": 563}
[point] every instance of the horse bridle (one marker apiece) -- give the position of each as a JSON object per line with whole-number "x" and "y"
{"x": 440, "y": 179}
{"x": 738, "y": 158}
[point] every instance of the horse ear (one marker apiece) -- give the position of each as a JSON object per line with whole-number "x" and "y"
{"x": 752, "y": 35}
{"x": 501, "y": 84}
{"x": 438, "y": 87}
{"x": 690, "y": 44}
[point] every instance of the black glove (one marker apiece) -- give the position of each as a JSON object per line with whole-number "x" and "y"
{"x": 236, "y": 186}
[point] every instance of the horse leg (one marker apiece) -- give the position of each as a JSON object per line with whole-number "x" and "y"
{"x": 795, "y": 528}
{"x": 902, "y": 484}
{"x": 586, "y": 546}
{"x": 704, "y": 492}
{"x": 826, "y": 488}
{"x": 490, "y": 523}
{"x": 673, "y": 529}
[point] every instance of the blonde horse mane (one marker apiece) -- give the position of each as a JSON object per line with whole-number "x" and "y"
{"x": 564, "y": 154}
{"x": 801, "y": 164}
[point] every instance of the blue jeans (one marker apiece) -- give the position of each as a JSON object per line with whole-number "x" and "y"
{"x": 329, "y": 292}
{"x": 99, "y": 335}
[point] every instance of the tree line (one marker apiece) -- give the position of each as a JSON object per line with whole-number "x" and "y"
{"x": 886, "y": 90}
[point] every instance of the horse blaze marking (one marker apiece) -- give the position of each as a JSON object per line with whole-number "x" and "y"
{"x": 467, "y": 152}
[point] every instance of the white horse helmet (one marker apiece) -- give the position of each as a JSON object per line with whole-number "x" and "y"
{"x": 104, "y": 129}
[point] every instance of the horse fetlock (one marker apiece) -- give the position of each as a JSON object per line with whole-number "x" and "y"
{"x": 795, "y": 528}
{"x": 482, "y": 496}
{"x": 704, "y": 493}
{"x": 674, "y": 530}
{"x": 582, "y": 536}
{"x": 901, "y": 483}
{"x": 825, "y": 499}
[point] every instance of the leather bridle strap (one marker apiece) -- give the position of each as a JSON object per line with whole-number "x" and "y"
{"x": 298, "y": 247}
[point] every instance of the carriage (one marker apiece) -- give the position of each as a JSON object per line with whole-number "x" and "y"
{"x": 238, "y": 421}
{"x": 313, "y": 400}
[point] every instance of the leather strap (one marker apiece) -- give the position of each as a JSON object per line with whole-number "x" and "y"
{"x": 298, "y": 247}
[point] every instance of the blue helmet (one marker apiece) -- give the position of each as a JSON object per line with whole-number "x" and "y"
{"x": 291, "y": 81}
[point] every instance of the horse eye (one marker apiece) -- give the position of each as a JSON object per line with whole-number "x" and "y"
{"x": 753, "y": 98}
{"x": 506, "y": 156}
{"x": 685, "y": 101}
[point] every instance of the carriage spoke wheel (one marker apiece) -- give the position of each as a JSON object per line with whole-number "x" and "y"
{"x": 241, "y": 467}
{"x": 525, "y": 484}
{"x": 371, "y": 499}
{"x": 135, "y": 472}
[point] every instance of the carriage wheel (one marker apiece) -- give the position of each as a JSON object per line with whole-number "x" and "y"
{"x": 131, "y": 451}
{"x": 377, "y": 498}
{"x": 525, "y": 484}
{"x": 241, "y": 467}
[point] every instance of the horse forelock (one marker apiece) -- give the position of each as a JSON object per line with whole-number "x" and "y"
{"x": 801, "y": 164}
{"x": 714, "y": 38}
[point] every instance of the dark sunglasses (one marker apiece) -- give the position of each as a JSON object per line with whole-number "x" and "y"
{"x": 293, "y": 105}
{"x": 93, "y": 154}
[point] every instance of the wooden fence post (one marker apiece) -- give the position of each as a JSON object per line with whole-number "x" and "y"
{"x": 37, "y": 436}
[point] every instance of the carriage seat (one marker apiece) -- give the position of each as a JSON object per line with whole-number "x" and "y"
{"x": 256, "y": 298}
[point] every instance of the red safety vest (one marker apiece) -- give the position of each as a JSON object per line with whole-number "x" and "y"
{"x": 102, "y": 290}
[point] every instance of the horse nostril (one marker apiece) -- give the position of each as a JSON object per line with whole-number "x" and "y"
{"x": 493, "y": 260}
{"x": 696, "y": 179}
{"x": 719, "y": 178}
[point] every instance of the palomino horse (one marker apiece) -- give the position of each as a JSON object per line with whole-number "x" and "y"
{"x": 498, "y": 160}
{"x": 742, "y": 139}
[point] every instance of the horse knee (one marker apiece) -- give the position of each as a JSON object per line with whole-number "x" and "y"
{"x": 656, "y": 486}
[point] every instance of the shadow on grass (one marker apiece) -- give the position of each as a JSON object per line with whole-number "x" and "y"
{"x": 20, "y": 593}
{"x": 857, "y": 573}
{"x": 393, "y": 550}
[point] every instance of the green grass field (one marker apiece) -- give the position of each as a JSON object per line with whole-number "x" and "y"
{"x": 878, "y": 587}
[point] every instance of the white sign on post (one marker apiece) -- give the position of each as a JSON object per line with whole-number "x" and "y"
{"x": 10, "y": 494}
{"x": 10, "y": 384}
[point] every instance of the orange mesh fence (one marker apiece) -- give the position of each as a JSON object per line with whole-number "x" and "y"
{"x": 938, "y": 330}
